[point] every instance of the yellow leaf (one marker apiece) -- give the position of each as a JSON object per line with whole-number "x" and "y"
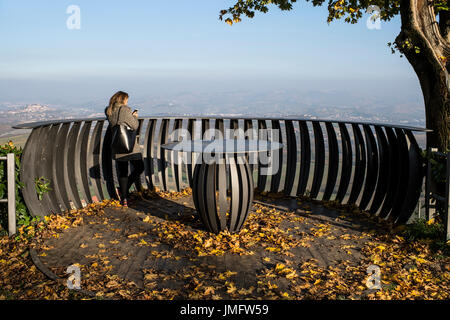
{"x": 150, "y": 276}
{"x": 279, "y": 267}
{"x": 292, "y": 275}
{"x": 209, "y": 290}
{"x": 231, "y": 288}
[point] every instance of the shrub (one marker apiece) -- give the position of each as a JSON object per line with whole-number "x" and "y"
{"x": 438, "y": 166}
{"x": 23, "y": 216}
{"x": 431, "y": 231}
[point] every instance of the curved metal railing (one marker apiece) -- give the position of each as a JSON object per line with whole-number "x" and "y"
{"x": 377, "y": 167}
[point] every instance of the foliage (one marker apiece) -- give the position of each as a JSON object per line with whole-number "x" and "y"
{"x": 441, "y": 5}
{"x": 349, "y": 10}
{"x": 269, "y": 250}
{"x": 22, "y": 215}
{"x": 431, "y": 231}
{"x": 42, "y": 186}
{"x": 438, "y": 165}
{"x": 423, "y": 229}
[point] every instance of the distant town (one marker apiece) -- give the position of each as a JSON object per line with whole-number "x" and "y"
{"x": 313, "y": 105}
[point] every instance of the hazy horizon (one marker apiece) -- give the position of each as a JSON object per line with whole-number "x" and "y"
{"x": 165, "y": 52}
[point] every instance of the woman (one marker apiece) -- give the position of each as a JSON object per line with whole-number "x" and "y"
{"x": 119, "y": 113}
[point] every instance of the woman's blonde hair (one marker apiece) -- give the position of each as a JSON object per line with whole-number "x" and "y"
{"x": 117, "y": 99}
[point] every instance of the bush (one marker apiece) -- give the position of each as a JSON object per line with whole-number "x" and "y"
{"x": 23, "y": 216}
{"x": 433, "y": 232}
{"x": 438, "y": 166}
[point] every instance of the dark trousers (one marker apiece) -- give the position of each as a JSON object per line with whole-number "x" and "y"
{"x": 125, "y": 181}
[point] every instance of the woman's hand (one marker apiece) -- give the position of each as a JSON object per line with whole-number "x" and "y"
{"x": 135, "y": 113}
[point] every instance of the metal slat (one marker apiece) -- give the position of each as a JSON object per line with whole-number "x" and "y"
{"x": 236, "y": 201}
{"x": 360, "y": 165}
{"x": 45, "y": 154}
{"x": 178, "y": 174}
{"x": 201, "y": 195}
{"x": 210, "y": 197}
{"x": 162, "y": 165}
{"x": 393, "y": 177}
{"x": 333, "y": 161}
{"x": 61, "y": 167}
{"x": 383, "y": 173}
{"x": 291, "y": 165}
{"x": 247, "y": 193}
{"x": 77, "y": 170}
{"x": 305, "y": 158}
{"x": 415, "y": 177}
{"x": 84, "y": 162}
{"x": 94, "y": 159}
{"x": 148, "y": 154}
{"x": 138, "y": 182}
{"x": 372, "y": 168}
{"x": 262, "y": 179}
{"x": 319, "y": 159}
{"x": 171, "y": 155}
{"x": 402, "y": 172}
{"x": 243, "y": 195}
{"x": 29, "y": 162}
{"x": 222, "y": 194}
{"x": 189, "y": 155}
{"x": 107, "y": 163}
{"x": 346, "y": 170}
{"x": 251, "y": 134}
{"x": 276, "y": 178}
{"x": 70, "y": 156}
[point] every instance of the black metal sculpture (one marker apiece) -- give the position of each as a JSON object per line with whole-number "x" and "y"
{"x": 377, "y": 167}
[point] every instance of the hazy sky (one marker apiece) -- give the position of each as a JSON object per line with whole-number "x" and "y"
{"x": 147, "y": 47}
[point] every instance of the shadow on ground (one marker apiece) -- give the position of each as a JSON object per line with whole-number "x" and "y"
{"x": 160, "y": 244}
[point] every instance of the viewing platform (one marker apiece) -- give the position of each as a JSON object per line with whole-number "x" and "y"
{"x": 327, "y": 205}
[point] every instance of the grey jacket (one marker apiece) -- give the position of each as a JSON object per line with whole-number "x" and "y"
{"x": 124, "y": 115}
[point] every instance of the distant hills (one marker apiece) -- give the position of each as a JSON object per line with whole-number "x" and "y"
{"x": 323, "y": 104}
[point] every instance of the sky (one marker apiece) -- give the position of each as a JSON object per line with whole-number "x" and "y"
{"x": 152, "y": 47}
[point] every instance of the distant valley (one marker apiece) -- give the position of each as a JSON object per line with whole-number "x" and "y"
{"x": 316, "y": 104}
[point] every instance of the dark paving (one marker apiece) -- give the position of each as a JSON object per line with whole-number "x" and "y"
{"x": 122, "y": 243}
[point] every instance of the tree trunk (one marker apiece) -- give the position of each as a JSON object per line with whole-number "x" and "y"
{"x": 424, "y": 43}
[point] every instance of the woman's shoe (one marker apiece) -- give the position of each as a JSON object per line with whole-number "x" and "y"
{"x": 124, "y": 203}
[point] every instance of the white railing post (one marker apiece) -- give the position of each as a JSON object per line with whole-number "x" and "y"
{"x": 11, "y": 178}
